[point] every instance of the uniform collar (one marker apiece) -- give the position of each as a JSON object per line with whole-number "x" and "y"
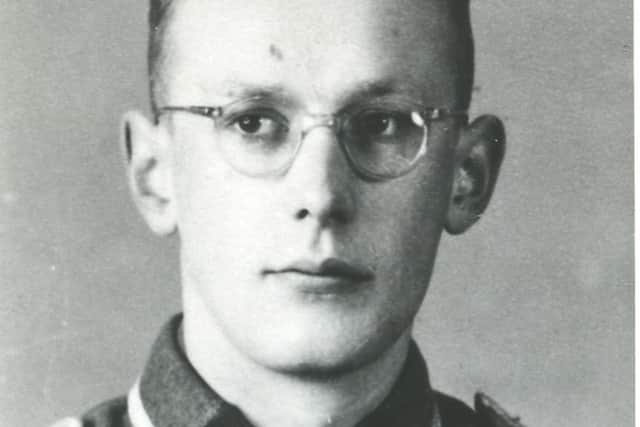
{"x": 173, "y": 394}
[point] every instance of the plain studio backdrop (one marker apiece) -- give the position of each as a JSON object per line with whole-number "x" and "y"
{"x": 534, "y": 305}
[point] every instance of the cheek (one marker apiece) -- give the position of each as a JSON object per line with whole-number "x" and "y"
{"x": 218, "y": 211}
{"x": 409, "y": 214}
{"x": 404, "y": 228}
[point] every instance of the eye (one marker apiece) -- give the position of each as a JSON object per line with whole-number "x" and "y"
{"x": 378, "y": 124}
{"x": 381, "y": 124}
{"x": 257, "y": 124}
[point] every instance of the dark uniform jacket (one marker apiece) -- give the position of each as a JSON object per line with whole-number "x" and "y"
{"x": 170, "y": 393}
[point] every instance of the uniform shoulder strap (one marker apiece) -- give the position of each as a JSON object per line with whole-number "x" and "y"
{"x": 490, "y": 414}
{"x": 452, "y": 412}
{"x": 111, "y": 413}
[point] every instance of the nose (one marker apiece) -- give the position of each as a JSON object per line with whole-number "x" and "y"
{"x": 320, "y": 182}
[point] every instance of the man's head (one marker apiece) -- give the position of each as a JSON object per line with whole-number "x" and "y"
{"x": 315, "y": 268}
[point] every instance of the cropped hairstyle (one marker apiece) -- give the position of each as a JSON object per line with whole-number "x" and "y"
{"x": 160, "y": 12}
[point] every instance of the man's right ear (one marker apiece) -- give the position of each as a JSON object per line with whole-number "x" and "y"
{"x": 147, "y": 153}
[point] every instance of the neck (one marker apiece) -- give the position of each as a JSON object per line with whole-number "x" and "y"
{"x": 273, "y": 398}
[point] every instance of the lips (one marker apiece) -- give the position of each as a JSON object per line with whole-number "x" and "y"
{"x": 331, "y": 275}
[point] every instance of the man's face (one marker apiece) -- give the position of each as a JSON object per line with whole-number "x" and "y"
{"x": 267, "y": 256}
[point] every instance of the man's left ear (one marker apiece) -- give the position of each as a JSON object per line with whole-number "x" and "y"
{"x": 478, "y": 158}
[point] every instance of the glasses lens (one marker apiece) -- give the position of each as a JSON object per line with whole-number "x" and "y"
{"x": 256, "y": 140}
{"x": 384, "y": 142}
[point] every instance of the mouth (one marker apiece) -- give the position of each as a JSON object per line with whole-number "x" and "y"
{"x": 330, "y": 276}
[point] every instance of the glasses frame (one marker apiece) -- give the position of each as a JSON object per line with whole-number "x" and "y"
{"x": 334, "y": 121}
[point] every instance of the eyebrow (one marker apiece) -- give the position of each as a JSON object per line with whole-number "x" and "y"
{"x": 362, "y": 91}
{"x": 368, "y": 89}
{"x": 238, "y": 89}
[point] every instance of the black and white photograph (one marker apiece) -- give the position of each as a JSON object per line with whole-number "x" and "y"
{"x": 362, "y": 213}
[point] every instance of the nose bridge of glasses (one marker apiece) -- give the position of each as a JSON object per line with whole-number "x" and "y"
{"x": 313, "y": 121}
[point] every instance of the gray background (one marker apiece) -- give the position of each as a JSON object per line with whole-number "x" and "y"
{"x": 534, "y": 305}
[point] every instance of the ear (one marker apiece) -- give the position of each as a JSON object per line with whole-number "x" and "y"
{"x": 478, "y": 158}
{"x": 147, "y": 154}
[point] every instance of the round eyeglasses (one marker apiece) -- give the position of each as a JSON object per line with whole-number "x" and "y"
{"x": 383, "y": 139}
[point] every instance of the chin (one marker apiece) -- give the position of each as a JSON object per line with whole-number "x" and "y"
{"x": 325, "y": 365}
{"x": 317, "y": 352}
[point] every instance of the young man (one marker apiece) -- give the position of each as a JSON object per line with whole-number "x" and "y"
{"x": 309, "y": 154}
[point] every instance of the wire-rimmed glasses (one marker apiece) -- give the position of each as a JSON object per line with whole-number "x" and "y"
{"x": 382, "y": 139}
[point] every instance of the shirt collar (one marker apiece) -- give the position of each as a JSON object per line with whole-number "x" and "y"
{"x": 172, "y": 392}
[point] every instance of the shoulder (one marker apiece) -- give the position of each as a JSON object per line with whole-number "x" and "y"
{"x": 453, "y": 412}
{"x": 110, "y": 413}
{"x": 487, "y": 413}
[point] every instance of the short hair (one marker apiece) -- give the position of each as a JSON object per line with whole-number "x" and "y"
{"x": 160, "y": 13}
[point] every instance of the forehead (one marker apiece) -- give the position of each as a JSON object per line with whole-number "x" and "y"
{"x": 312, "y": 48}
